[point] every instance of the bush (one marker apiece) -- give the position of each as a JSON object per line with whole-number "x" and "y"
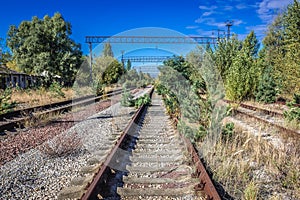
{"x": 56, "y": 88}
{"x": 192, "y": 133}
{"x": 293, "y": 114}
{"x": 99, "y": 88}
{"x": 145, "y": 99}
{"x": 296, "y": 98}
{"x": 228, "y": 130}
{"x": 127, "y": 98}
{"x": 5, "y": 101}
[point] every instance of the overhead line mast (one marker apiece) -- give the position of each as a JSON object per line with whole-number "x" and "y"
{"x": 228, "y": 24}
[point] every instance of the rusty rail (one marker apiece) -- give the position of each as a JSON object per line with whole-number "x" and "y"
{"x": 250, "y": 107}
{"x": 281, "y": 128}
{"x": 11, "y": 120}
{"x": 268, "y": 112}
{"x": 205, "y": 182}
{"x": 92, "y": 190}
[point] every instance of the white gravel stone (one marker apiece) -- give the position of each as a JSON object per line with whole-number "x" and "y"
{"x": 34, "y": 175}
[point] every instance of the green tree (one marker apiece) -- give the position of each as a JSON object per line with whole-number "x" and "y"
{"x": 224, "y": 54}
{"x": 242, "y": 76}
{"x": 107, "y": 51}
{"x": 292, "y": 47}
{"x": 44, "y": 46}
{"x": 267, "y": 88}
{"x": 112, "y": 73}
{"x": 128, "y": 65}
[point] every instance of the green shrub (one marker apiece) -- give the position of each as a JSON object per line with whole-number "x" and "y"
{"x": 56, "y": 89}
{"x": 293, "y": 114}
{"x": 145, "y": 99}
{"x": 296, "y": 98}
{"x": 127, "y": 98}
{"x": 192, "y": 133}
{"x": 98, "y": 88}
{"x": 228, "y": 130}
{"x": 5, "y": 101}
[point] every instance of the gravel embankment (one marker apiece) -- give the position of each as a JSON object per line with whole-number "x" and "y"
{"x": 36, "y": 175}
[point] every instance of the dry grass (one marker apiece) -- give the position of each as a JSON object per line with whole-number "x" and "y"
{"x": 294, "y": 124}
{"x": 35, "y": 97}
{"x": 250, "y": 167}
{"x": 39, "y": 118}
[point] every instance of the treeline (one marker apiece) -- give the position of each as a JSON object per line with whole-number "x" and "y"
{"x": 264, "y": 75}
{"x": 234, "y": 69}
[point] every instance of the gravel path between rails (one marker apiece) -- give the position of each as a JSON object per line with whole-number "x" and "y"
{"x": 35, "y": 175}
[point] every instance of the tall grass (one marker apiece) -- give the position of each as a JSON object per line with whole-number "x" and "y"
{"x": 249, "y": 167}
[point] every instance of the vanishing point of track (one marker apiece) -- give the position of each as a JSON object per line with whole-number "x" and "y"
{"x": 156, "y": 163}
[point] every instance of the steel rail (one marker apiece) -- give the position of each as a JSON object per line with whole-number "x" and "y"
{"x": 92, "y": 191}
{"x": 266, "y": 111}
{"x": 15, "y": 118}
{"x": 205, "y": 183}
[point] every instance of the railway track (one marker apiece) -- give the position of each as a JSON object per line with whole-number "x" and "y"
{"x": 155, "y": 163}
{"x": 269, "y": 117}
{"x": 16, "y": 119}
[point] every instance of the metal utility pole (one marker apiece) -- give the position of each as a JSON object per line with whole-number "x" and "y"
{"x": 122, "y": 59}
{"x": 91, "y": 61}
{"x": 228, "y": 24}
{"x": 218, "y": 31}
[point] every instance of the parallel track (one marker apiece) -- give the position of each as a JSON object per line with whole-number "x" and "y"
{"x": 12, "y": 120}
{"x": 158, "y": 163}
{"x": 265, "y": 119}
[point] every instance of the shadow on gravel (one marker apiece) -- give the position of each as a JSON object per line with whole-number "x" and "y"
{"x": 93, "y": 118}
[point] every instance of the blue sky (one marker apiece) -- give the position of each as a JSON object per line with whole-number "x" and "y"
{"x": 190, "y": 17}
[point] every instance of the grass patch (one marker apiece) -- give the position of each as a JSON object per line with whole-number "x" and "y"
{"x": 249, "y": 167}
{"x": 41, "y": 96}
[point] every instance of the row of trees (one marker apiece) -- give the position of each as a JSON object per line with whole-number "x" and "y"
{"x": 44, "y": 47}
{"x": 274, "y": 70}
{"x": 191, "y": 87}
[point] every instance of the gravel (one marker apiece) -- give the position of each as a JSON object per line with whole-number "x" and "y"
{"x": 36, "y": 175}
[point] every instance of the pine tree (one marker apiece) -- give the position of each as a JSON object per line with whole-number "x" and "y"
{"x": 240, "y": 81}
{"x": 267, "y": 88}
{"x": 224, "y": 54}
{"x": 292, "y": 48}
{"x": 128, "y": 65}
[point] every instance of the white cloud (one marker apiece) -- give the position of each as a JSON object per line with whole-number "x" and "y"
{"x": 241, "y": 6}
{"x": 208, "y": 7}
{"x": 268, "y": 9}
{"x": 237, "y": 22}
{"x": 192, "y": 27}
{"x": 259, "y": 30}
{"x": 205, "y": 14}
